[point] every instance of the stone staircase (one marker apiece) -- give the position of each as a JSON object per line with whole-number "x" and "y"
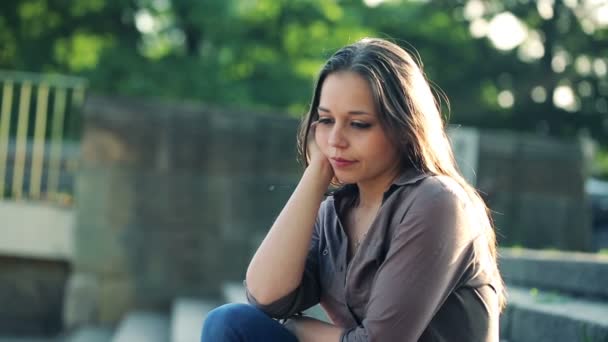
{"x": 183, "y": 324}
{"x": 535, "y": 315}
{"x": 552, "y": 296}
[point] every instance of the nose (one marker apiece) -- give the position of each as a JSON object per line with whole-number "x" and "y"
{"x": 337, "y": 137}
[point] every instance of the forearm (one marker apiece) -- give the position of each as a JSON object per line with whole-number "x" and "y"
{"x": 278, "y": 264}
{"x": 309, "y": 329}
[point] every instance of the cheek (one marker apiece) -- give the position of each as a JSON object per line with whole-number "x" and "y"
{"x": 382, "y": 148}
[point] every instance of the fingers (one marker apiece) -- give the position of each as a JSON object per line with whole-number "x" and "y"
{"x": 313, "y": 128}
{"x": 311, "y": 142}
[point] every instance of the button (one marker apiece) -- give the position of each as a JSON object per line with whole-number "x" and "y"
{"x": 325, "y": 251}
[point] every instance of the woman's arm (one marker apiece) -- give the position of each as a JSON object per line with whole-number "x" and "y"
{"x": 277, "y": 266}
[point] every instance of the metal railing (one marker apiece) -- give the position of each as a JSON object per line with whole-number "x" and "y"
{"x": 39, "y": 135}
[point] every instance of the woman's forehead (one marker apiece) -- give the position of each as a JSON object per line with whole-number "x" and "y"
{"x": 346, "y": 92}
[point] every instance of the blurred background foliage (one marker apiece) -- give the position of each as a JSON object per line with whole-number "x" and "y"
{"x": 536, "y": 66}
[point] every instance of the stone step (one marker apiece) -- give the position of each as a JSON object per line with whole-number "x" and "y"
{"x": 90, "y": 334}
{"x": 538, "y": 316}
{"x": 234, "y": 293}
{"x": 574, "y": 273}
{"x": 142, "y": 326}
{"x": 187, "y": 316}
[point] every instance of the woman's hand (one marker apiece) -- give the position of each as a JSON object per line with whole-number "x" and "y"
{"x": 307, "y": 329}
{"x": 316, "y": 159}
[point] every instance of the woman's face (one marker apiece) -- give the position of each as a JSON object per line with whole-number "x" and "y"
{"x": 349, "y": 132}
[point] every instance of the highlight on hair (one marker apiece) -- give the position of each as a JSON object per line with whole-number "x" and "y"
{"x": 410, "y": 115}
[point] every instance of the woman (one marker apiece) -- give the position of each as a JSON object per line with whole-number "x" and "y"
{"x": 402, "y": 251}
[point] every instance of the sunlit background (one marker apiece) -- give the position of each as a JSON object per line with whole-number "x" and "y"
{"x": 147, "y": 145}
{"x": 537, "y": 66}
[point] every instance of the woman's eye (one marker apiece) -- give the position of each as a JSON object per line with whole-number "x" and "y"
{"x": 324, "y": 121}
{"x": 361, "y": 125}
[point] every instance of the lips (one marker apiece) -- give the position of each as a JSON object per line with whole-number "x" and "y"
{"x": 341, "y": 162}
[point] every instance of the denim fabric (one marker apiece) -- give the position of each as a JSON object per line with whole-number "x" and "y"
{"x": 243, "y": 323}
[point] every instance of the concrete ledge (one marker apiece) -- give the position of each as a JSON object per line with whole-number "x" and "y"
{"x": 234, "y": 293}
{"x": 581, "y": 274}
{"x": 36, "y": 230}
{"x": 537, "y": 316}
{"x": 90, "y": 334}
{"x": 187, "y": 319}
{"x": 143, "y": 326}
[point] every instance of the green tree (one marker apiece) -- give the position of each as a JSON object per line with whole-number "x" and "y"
{"x": 264, "y": 54}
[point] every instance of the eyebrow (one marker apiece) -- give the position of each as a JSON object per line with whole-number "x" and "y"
{"x": 353, "y": 112}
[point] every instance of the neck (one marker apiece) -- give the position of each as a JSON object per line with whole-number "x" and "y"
{"x": 371, "y": 192}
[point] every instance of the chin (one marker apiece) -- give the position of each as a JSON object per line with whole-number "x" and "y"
{"x": 344, "y": 179}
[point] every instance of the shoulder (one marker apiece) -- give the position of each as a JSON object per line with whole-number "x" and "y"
{"x": 440, "y": 208}
{"x": 439, "y": 191}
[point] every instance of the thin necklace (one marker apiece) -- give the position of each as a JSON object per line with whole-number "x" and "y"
{"x": 360, "y": 240}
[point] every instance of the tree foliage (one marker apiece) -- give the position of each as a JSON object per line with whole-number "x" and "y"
{"x": 264, "y": 54}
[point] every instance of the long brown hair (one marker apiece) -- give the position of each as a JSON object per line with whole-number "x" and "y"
{"x": 409, "y": 112}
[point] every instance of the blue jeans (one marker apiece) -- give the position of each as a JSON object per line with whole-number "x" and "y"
{"x": 243, "y": 323}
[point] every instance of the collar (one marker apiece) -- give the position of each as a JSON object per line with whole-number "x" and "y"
{"x": 408, "y": 176}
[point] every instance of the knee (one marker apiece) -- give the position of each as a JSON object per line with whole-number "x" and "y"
{"x": 227, "y": 314}
{"x": 221, "y": 322}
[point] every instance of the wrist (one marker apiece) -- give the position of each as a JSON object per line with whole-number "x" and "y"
{"x": 321, "y": 171}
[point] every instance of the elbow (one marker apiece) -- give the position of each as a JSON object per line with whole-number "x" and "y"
{"x": 258, "y": 292}
{"x": 262, "y": 299}
{"x": 276, "y": 300}
{"x": 258, "y": 296}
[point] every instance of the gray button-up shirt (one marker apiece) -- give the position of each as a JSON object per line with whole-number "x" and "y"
{"x": 423, "y": 272}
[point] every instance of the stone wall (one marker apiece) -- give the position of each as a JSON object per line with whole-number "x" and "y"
{"x": 31, "y": 295}
{"x": 535, "y": 188}
{"x": 173, "y": 199}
